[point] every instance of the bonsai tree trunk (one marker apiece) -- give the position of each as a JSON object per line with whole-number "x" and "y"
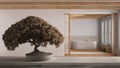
{"x": 37, "y": 55}
{"x": 36, "y": 49}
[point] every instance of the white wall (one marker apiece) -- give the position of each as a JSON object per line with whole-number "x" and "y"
{"x": 8, "y": 17}
{"x": 84, "y": 27}
{"x": 54, "y": 17}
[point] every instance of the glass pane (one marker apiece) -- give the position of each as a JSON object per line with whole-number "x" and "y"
{"x": 110, "y": 31}
{"x": 105, "y": 38}
{"x": 106, "y": 31}
{"x": 102, "y": 32}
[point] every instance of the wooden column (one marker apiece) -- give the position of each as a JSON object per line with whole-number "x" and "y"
{"x": 67, "y": 34}
{"x": 113, "y": 21}
{"x": 116, "y": 30}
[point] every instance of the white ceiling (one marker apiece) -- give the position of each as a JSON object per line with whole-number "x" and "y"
{"x": 59, "y": 0}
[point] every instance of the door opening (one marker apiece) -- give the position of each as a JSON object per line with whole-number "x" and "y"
{"x": 89, "y": 34}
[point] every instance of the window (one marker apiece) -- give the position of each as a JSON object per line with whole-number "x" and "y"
{"x": 106, "y": 31}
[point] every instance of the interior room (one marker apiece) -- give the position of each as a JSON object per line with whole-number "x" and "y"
{"x": 56, "y": 18}
{"x": 69, "y": 33}
{"x": 91, "y": 34}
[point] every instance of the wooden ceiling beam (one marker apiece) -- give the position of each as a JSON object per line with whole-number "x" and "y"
{"x": 59, "y": 5}
{"x": 56, "y": 7}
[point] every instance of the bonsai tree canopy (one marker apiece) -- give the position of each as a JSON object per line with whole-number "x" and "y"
{"x": 33, "y": 30}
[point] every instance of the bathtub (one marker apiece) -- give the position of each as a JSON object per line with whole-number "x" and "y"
{"x": 83, "y": 45}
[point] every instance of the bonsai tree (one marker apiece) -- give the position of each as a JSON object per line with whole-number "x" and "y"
{"x": 33, "y": 30}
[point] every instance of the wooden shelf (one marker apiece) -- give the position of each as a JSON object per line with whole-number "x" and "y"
{"x": 90, "y": 55}
{"x": 85, "y": 50}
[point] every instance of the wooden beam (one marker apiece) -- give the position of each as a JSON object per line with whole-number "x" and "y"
{"x": 113, "y": 21}
{"x": 69, "y": 43}
{"x": 59, "y": 5}
{"x": 67, "y": 33}
{"x": 81, "y": 16}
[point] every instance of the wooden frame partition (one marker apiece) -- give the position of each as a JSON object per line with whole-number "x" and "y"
{"x": 113, "y": 26}
{"x": 95, "y": 16}
{"x": 67, "y": 34}
{"x": 115, "y": 34}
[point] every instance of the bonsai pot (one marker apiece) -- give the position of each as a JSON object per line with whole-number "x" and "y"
{"x": 38, "y": 56}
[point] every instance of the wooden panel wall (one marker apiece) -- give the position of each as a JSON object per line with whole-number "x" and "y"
{"x": 116, "y": 35}
{"x": 59, "y": 5}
